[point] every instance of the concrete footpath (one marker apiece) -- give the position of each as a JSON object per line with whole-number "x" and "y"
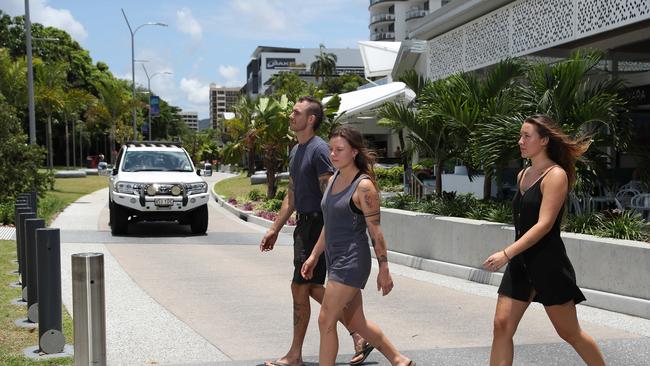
{"x": 177, "y": 299}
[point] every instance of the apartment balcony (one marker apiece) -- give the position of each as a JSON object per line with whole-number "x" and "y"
{"x": 380, "y": 18}
{"x": 416, "y": 13}
{"x": 375, "y": 2}
{"x": 382, "y": 36}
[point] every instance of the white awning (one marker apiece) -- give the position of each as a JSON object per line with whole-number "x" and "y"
{"x": 378, "y": 57}
{"x": 366, "y": 100}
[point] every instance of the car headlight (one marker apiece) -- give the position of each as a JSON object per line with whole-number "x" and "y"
{"x": 128, "y": 187}
{"x": 196, "y": 188}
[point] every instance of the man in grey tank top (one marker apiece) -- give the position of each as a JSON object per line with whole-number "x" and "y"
{"x": 309, "y": 171}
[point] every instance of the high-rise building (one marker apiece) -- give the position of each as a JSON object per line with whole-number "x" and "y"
{"x": 191, "y": 119}
{"x": 390, "y": 19}
{"x": 267, "y": 61}
{"x": 222, "y": 100}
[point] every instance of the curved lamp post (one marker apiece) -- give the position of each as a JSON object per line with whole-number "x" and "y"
{"x": 149, "y": 88}
{"x": 135, "y": 133}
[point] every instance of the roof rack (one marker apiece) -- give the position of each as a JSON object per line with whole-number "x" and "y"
{"x": 153, "y": 143}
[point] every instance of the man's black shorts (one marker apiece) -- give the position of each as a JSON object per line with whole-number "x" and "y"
{"x": 305, "y": 237}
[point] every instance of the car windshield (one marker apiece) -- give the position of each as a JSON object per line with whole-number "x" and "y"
{"x": 138, "y": 161}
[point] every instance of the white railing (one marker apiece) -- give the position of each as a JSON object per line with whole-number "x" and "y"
{"x": 416, "y": 13}
{"x": 379, "y": 36}
{"x": 382, "y": 18}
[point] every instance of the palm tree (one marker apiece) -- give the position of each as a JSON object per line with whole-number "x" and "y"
{"x": 113, "y": 105}
{"x": 396, "y": 116}
{"x": 245, "y": 111}
{"x": 74, "y": 102}
{"x": 50, "y": 81}
{"x": 325, "y": 63}
{"x": 272, "y": 134}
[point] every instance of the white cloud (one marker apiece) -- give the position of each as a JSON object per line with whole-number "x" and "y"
{"x": 230, "y": 75}
{"x": 186, "y": 23}
{"x": 41, "y": 12}
{"x": 196, "y": 91}
{"x": 262, "y": 13}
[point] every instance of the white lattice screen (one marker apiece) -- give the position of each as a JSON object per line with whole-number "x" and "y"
{"x": 526, "y": 26}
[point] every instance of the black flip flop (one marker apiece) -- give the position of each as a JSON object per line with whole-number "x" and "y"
{"x": 365, "y": 351}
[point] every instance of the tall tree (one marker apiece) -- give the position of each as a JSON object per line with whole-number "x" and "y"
{"x": 50, "y": 94}
{"x": 325, "y": 63}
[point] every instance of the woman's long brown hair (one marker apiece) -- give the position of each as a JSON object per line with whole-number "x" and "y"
{"x": 365, "y": 158}
{"x": 561, "y": 148}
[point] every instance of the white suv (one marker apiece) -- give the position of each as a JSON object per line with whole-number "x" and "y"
{"x": 156, "y": 181}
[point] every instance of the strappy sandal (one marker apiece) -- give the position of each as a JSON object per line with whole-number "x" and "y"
{"x": 365, "y": 351}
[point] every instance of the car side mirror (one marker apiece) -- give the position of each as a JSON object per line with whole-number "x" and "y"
{"x": 114, "y": 171}
{"x": 198, "y": 172}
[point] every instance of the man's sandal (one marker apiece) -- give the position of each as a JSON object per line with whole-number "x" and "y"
{"x": 365, "y": 351}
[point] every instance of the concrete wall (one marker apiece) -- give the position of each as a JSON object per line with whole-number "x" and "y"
{"x": 614, "y": 274}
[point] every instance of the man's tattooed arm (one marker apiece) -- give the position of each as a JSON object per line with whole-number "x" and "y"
{"x": 323, "y": 180}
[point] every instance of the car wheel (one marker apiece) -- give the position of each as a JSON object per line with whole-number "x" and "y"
{"x": 119, "y": 220}
{"x": 199, "y": 222}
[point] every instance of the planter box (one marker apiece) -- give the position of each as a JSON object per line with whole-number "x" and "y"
{"x": 613, "y": 273}
{"x": 249, "y": 215}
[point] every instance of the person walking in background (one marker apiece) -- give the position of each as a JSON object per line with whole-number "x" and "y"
{"x": 538, "y": 268}
{"x": 309, "y": 171}
{"x": 350, "y": 205}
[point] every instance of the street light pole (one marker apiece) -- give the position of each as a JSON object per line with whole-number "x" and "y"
{"x": 135, "y": 132}
{"x": 149, "y": 88}
{"x": 30, "y": 76}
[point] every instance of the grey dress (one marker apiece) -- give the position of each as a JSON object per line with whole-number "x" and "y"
{"x": 347, "y": 252}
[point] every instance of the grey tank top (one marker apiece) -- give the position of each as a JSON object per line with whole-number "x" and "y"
{"x": 346, "y": 242}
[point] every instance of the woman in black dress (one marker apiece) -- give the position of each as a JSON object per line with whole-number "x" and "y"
{"x": 538, "y": 267}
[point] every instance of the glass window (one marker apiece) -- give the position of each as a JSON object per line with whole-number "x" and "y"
{"x": 137, "y": 161}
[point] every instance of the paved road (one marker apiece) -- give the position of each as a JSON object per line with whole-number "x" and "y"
{"x": 175, "y": 298}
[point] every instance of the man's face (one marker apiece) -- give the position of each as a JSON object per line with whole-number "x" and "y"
{"x": 300, "y": 119}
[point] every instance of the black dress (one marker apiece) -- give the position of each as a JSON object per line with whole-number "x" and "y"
{"x": 545, "y": 266}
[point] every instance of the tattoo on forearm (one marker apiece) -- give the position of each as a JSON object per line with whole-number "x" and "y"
{"x": 382, "y": 259}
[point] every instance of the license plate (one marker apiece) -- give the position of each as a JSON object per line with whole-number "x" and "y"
{"x": 163, "y": 202}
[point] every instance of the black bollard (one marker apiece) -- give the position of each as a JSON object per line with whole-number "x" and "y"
{"x": 19, "y": 208}
{"x": 31, "y": 268}
{"x": 33, "y": 195}
{"x": 48, "y": 247}
{"x": 23, "y": 261}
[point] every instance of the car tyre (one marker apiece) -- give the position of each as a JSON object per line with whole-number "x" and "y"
{"x": 199, "y": 222}
{"x": 119, "y": 220}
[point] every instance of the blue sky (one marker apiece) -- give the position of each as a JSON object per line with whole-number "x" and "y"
{"x": 205, "y": 42}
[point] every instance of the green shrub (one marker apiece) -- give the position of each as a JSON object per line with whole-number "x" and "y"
{"x": 581, "y": 224}
{"x": 400, "y": 201}
{"x": 255, "y": 195}
{"x": 273, "y": 205}
{"x": 622, "y": 225}
{"x": 389, "y": 177}
{"x": 6, "y": 213}
{"x": 499, "y": 212}
{"x": 280, "y": 194}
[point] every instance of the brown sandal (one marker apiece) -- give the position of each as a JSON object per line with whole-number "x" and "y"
{"x": 365, "y": 351}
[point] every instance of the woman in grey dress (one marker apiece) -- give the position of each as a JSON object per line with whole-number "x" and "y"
{"x": 350, "y": 205}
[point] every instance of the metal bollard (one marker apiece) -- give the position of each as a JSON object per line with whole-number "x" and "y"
{"x": 31, "y": 267}
{"x": 33, "y": 195}
{"x": 20, "y": 226}
{"x": 48, "y": 247}
{"x": 19, "y": 208}
{"x": 89, "y": 309}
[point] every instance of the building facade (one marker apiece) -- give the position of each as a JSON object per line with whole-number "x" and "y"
{"x": 268, "y": 61}
{"x": 191, "y": 119}
{"x": 222, "y": 100}
{"x": 390, "y": 19}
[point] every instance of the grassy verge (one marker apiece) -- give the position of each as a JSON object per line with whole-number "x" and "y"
{"x": 240, "y": 186}
{"x": 66, "y": 191}
{"x": 13, "y": 339}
